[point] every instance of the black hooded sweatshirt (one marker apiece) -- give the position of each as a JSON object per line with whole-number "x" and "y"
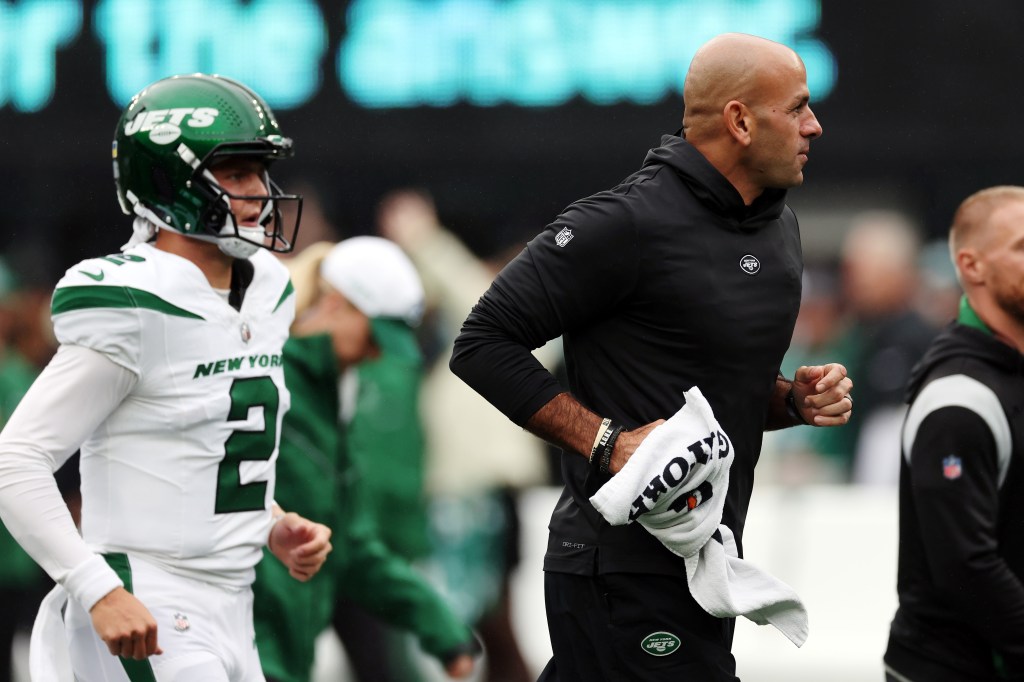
{"x": 961, "y": 554}
{"x": 662, "y": 283}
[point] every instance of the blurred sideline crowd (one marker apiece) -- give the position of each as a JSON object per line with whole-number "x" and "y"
{"x": 873, "y": 307}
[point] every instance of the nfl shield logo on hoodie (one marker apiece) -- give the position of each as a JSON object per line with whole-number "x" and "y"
{"x": 951, "y": 467}
{"x": 564, "y": 237}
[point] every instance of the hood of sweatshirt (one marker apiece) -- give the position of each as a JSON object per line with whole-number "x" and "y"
{"x": 712, "y": 188}
{"x": 959, "y": 340}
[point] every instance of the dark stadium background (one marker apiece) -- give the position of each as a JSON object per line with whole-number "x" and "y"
{"x": 925, "y": 109}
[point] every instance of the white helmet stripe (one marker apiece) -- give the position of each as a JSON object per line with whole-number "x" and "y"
{"x": 187, "y": 155}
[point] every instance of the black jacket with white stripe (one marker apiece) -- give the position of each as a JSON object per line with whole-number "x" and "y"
{"x": 961, "y": 553}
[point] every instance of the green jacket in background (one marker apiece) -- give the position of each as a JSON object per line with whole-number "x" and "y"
{"x": 316, "y": 479}
{"x": 386, "y": 443}
{"x": 17, "y": 569}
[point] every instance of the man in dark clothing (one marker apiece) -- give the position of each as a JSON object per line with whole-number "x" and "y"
{"x": 686, "y": 274}
{"x": 961, "y": 561}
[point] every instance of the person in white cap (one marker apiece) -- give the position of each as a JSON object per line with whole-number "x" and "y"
{"x": 351, "y": 449}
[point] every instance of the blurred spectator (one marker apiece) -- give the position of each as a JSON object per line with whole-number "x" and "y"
{"x": 384, "y": 436}
{"x": 16, "y": 370}
{"x": 886, "y": 335}
{"x": 476, "y": 459}
{"x": 938, "y": 297}
{"x": 25, "y": 346}
{"x": 820, "y": 336}
{"x": 355, "y": 304}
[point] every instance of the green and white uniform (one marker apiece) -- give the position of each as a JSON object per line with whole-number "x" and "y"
{"x": 176, "y": 401}
{"x": 182, "y": 471}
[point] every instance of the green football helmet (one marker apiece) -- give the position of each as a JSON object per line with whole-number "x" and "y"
{"x": 169, "y": 137}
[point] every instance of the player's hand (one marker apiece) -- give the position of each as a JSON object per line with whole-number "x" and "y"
{"x": 627, "y": 444}
{"x": 125, "y": 625}
{"x": 300, "y": 544}
{"x": 822, "y": 394}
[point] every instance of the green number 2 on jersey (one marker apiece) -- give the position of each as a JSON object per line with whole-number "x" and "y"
{"x": 247, "y": 446}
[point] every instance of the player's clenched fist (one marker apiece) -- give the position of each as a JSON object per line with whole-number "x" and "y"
{"x": 125, "y": 625}
{"x": 300, "y": 544}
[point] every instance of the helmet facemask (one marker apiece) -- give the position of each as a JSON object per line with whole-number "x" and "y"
{"x": 221, "y": 225}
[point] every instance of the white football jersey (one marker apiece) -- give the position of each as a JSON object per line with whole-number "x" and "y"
{"x": 182, "y": 472}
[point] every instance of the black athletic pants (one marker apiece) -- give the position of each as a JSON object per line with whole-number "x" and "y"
{"x": 628, "y": 627}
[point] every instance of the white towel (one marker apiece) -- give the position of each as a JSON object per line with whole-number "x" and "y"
{"x": 675, "y": 485}
{"x": 48, "y": 648}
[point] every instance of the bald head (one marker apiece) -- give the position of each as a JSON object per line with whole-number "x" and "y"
{"x": 732, "y": 66}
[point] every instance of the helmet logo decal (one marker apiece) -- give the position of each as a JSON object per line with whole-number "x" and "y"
{"x": 162, "y": 118}
{"x": 164, "y": 133}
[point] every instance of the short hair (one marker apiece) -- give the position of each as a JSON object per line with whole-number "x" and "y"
{"x": 975, "y": 210}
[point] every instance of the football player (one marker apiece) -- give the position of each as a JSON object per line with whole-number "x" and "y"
{"x": 169, "y": 379}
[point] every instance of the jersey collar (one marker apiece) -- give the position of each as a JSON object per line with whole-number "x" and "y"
{"x": 969, "y": 318}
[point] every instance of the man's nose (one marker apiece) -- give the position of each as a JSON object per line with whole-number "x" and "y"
{"x": 811, "y": 126}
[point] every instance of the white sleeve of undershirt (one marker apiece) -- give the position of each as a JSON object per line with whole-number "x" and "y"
{"x": 70, "y": 398}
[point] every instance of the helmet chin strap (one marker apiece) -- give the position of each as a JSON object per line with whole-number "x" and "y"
{"x": 244, "y": 244}
{"x": 241, "y": 241}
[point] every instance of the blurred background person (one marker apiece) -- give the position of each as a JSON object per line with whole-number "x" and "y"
{"x": 477, "y": 461}
{"x": 357, "y": 304}
{"x": 938, "y": 296}
{"x": 885, "y": 336}
{"x": 25, "y": 347}
{"x": 806, "y": 456}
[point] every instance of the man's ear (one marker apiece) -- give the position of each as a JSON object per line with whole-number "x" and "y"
{"x": 738, "y": 121}
{"x": 971, "y": 268}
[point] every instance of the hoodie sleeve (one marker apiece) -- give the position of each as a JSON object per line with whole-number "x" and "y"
{"x": 578, "y": 269}
{"x": 955, "y": 474}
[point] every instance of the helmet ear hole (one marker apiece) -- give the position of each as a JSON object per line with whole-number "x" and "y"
{"x": 214, "y": 217}
{"x": 217, "y": 217}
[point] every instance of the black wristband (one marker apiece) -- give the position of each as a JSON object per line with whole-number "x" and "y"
{"x": 791, "y": 410}
{"x": 606, "y": 450}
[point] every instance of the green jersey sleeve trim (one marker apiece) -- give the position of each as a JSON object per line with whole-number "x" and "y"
{"x": 78, "y": 298}
{"x": 288, "y": 291}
